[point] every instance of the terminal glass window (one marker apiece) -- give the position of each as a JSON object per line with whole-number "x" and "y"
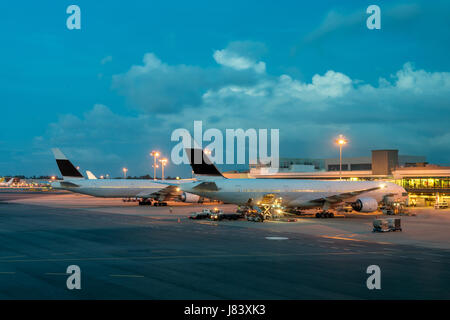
{"x": 426, "y": 183}
{"x": 361, "y": 166}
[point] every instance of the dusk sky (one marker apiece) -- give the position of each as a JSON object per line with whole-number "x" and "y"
{"x": 108, "y": 94}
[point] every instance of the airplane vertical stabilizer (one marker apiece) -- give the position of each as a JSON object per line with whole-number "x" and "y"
{"x": 67, "y": 169}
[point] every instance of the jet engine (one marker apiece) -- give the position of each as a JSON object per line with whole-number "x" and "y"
{"x": 190, "y": 198}
{"x": 365, "y": 205}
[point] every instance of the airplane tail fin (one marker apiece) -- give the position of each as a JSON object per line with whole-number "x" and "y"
{"x": 67, "y": 169}
{"x": 10, "y": 182}
{"x": 90, "y": 175}
{"x": 201, "y": 164}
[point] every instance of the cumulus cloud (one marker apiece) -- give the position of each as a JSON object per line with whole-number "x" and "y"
{"x": 421, "y": 81}
{"x": 158, "y": 87}
{"x": 241, "y": 56}
{"x": 395, "y": 114}
{"x": 401, "y": 111}
{"x": 230, "y": 57}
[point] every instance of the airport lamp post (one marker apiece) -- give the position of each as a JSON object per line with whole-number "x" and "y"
{"x": 154, "y": 154}
{"x": 124, "y": 172}
{"x": 163, "y": 164}
{"x": 341, "y": 140}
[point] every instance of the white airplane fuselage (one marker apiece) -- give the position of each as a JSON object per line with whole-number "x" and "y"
{"x": 294, "y": 193}
{"x": 110, "y": 188}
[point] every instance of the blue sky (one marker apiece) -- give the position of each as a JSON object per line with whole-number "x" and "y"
{"x": 109, "y": 93}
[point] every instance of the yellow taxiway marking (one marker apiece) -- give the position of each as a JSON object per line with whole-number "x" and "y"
{"x": 126, "y": 275}
{"x": 353, "y": 239}
{"x": 190, "y": 257}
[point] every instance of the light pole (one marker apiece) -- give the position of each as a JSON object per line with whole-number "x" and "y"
{"x": 124, "y": 172}
{"x": 154, "y": 154}
{"x": 163, "y": 164}
{"x": 341, "y": 140}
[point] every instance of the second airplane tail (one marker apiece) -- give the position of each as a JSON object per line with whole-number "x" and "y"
{"x": 90, "y": 175}
{"x": 201, "y": 164}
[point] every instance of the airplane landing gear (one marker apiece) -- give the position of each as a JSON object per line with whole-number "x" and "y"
{"x": 160, "y": 204}
{"x": 324, "y": 214}
{"x": 145, "y": 202}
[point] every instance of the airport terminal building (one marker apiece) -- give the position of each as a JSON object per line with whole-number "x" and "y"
{"x": 425, "y": 183}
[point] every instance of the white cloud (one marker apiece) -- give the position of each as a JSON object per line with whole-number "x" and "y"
{"x": 409, "y": 103}
{"x": 421, "y": 81}
{"x": 384, "y": 116}
{"x": 233, "y": 60}
{"x": 156, "y": 86}
{"x": 331, "y": 85}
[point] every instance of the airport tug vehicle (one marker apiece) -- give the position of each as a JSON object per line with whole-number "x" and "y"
{"x": 218, "y": 215}
{"x": 204, "y": 214}
{"x": 387, "y": 225}
{"x": 214, "y": 214}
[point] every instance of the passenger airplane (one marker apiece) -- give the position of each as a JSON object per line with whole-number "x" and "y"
{"x": 147, "y": 190}
{"x": 6, "y": 184}
{"x": 364, "y": 196}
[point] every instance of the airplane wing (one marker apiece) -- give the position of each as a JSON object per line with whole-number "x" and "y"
{"x": 170, "y": 192}
{"x": 68, "y": 184}
{"x": 343, "y": 196}
{"x": 207, "y": 186}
